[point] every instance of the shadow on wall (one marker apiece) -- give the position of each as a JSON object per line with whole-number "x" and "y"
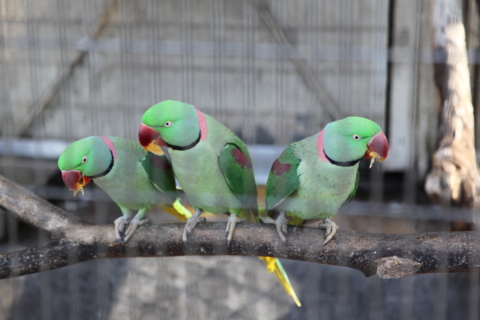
{"x": 224, "y": 288}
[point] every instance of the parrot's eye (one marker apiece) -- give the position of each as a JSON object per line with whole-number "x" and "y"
{"x": 168, "y": 124}
{"x": 356, "y": 137}
{"x": 84, "y": 159}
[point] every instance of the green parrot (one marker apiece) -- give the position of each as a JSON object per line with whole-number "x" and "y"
{"x": 134, "y": 179}
{"x": 211, "y": 164}
{"x": 313, "y": 177}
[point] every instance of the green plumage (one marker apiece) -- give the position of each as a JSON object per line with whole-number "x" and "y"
{"x": 354, "y": 191}
{"x": 137, "y": 181}
{"x": 212, "y": 165}
{"x": 282, "y": 181}
{"x": 160, "y": 173}
{"x": 313, "y": 177}
{"x": 311, "y": 188}
{"x": 240, "y": 177}
{"x": 207, "y": 171}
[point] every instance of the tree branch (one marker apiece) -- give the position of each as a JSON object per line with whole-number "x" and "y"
{"x": 387, "y": 255}
{"x": 34, "y": 210}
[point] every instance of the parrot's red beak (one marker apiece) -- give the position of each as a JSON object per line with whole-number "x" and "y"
{"x": 150, "y": 139}
{"x": 377, "y": 147}
{"x": 75, "y": 180}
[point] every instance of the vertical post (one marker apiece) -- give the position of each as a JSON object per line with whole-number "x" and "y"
{"x": 453, "y": 178}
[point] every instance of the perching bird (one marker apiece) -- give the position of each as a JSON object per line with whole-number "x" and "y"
{"x": 134, "y": 179}
{"x": 211, "y": 164}
{"x": 313, "y": 177}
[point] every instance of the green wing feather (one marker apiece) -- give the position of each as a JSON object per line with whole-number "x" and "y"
{"x": 160, "y": 172}
{"x": 235, "y": 163}
{"x": 283, "y": 178}
{"x": 354, "y": 191}
{"x": 237, "y": 168}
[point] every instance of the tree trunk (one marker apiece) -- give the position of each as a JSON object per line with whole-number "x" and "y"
{"x": 453, "y": 179}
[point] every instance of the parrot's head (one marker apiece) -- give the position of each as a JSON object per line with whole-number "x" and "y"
{"x": 83, "y": 160}
{"x": 169, "y": 123}
{"x": 354, "y": 138}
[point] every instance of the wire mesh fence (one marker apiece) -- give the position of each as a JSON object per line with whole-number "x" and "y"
{"x": 274, "y": 72}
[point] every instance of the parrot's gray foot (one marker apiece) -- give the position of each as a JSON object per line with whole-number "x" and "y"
{"x": 330, "y": 227}
{"x": 281, "y": 224}
{"x": 136, "y": 221}
{"x": 119, "y": 225}
{"x": 231, "y": 223}
{"x": 191, "y": 223}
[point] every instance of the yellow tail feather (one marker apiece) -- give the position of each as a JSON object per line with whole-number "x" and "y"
{"x": 274, "y": 265}
{"x": 178, "y": 211}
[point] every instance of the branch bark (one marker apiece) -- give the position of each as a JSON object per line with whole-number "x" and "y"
{"x": 34, "y": 210}
{"x": 387, "y": 255}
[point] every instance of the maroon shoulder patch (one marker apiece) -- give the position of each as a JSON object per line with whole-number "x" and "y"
{"x": 279, "y": 168}
{"x": 241, "y": 159}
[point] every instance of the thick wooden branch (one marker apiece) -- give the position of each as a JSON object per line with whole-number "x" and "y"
{"x": 387, "y": 255}
{"x": 34, "y": 210}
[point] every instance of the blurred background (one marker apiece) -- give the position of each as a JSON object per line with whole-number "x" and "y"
{"x": 274, "y": 72}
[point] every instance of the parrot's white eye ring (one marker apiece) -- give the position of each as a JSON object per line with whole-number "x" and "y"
{"x": 168, "y": 124}
{"x": 85, "y": 159}
{"x": 356, "y": 137}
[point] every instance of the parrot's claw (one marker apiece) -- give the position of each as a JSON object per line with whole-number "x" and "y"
{"x": 330, "y": 229}
{"x": 281, "y": 224}
{"x": 119, "y": 225}
{"x": 133, "y": 227}
{"x": 191, "y": 223}
{"x": 232, "y": 222}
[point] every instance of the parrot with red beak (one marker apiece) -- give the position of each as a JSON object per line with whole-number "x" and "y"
{"x": 211, "y": 164}
{"x": 313, "y": 177}
{"x": 134, "y": 179}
